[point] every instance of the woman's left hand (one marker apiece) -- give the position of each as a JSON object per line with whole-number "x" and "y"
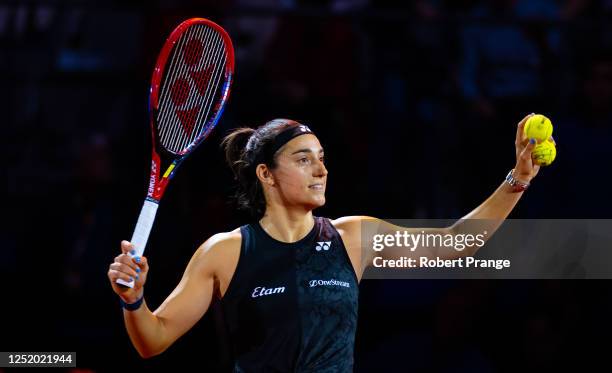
{"x": 525, "y": 169}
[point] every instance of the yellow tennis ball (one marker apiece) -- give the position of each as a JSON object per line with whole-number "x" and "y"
{"x": 538, "y": 127}
{"x": 544, "y": 153}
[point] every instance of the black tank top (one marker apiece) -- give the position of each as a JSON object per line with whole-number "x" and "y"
{"x": 292, "y": 307}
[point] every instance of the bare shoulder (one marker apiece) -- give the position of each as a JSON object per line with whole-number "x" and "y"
{"x": 220, "y": 249}
{"x": 351, "y": 224}
{"x": 217, "y": 258}
{"x": 223, "y": 240}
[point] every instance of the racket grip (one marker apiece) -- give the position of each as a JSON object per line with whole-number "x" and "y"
{"x": 141, "y": 232}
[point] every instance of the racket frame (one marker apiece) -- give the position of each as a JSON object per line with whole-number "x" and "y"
{"x": 157, "y": 184}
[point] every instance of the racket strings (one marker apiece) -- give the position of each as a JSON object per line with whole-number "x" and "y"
{"x": 163, "y": 113}
{"x": 191, "y": 87}
{"x": 181, "y": 123}
{"x": 212, "y": 74}
{"x": 215, "y": 63}
{"x": 212, "y": 93}
{"x": 174, "y": 120}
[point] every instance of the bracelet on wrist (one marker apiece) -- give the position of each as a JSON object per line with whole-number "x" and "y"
{"x": 517, "y": 185}
{"x": 132, "y": 306}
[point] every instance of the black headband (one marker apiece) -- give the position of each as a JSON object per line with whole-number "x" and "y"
{"x": 281, "y": 139}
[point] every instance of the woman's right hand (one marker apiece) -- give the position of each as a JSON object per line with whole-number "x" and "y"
{"x": 127, "y": 267}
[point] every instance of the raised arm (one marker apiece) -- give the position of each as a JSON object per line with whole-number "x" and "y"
{"x": 488, "y": 216}
{"x": 152, "y": 333}
{"x": 495, "y": 209}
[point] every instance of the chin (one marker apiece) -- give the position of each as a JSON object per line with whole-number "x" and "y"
{"x": 320, "y": 201}
{"x": 316, "y": 203}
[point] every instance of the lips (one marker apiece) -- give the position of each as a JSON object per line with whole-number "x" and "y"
{"x": 317, "y": 186}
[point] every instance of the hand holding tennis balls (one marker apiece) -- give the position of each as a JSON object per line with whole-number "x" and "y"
{"x": 534, "y": 145}
{"x": 540, "y": 128}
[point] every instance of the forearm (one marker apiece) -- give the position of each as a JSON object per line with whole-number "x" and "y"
{"x": 146, "y": 331}
{"x": 498, "y": 206}
{"x": 488, "y": 216}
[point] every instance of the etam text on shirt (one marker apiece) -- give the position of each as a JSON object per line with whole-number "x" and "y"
{"x": 261, "y": 291}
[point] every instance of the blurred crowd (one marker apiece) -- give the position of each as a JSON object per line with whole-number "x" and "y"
{"x": 416, "y": 104}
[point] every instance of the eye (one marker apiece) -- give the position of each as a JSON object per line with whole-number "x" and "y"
{"x": 304, "y": 160}
{"x": 322, "y": 159}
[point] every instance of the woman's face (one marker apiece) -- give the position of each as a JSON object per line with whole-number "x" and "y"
{"x": 300, "y": 175}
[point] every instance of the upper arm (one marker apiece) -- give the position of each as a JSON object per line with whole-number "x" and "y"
{"x": 349, "y": 228}
{"x": 193, "y": 295}
{"x": 358, "y": 234}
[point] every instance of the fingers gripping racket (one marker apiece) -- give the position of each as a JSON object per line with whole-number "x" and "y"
{"x": 189, "y": 88}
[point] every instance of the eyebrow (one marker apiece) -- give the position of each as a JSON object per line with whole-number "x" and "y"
{"x": 305, "y": 150}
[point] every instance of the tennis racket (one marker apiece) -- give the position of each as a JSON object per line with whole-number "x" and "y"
{"x": 189, "y": 88}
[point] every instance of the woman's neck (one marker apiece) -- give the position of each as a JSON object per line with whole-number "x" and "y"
{"x": 287, "y": 226}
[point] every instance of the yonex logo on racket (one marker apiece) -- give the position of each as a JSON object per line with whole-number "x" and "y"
{"x": 198, "y": 73}
{"x": 324, "y": 245}
{"x": 193, "y": 86}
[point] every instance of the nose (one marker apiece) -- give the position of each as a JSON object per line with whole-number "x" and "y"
{"x": 320, "y": 170}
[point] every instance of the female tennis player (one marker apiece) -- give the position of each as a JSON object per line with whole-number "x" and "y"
{"x": 288, "y": 282}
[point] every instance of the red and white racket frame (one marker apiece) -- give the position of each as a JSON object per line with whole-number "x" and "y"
{"x": 157, "y": 184}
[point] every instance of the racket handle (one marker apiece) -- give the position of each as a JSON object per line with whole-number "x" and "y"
{"x": 141, "y": 232}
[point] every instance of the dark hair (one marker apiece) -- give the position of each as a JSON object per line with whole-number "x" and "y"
{"x": 245, "y": 148}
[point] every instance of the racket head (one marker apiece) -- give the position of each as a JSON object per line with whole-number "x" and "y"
{"x": 190, "y": 85}
{"x": 189, "y": 89}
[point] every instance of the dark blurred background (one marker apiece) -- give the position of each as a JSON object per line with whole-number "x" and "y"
{"x": 416, "y": 104}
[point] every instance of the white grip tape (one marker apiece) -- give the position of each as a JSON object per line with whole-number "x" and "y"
{"x": 141, "y": 232}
